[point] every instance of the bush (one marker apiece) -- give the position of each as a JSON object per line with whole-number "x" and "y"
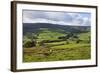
{"x": 78, "y": 41}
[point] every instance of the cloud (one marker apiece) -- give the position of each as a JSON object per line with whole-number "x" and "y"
{"x": 87, "y": 21}
{"x": 61, "y": 18}
{"x": 39, "y": 20}
{"x": 58, "y": 16}
{"x": 82, "y": 19}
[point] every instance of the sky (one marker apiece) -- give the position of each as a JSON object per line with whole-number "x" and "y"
{"x": 57, "y": 17}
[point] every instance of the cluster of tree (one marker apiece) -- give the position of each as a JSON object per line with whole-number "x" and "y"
{"x": 50, "y": 41}
{"x": 74, "y": 37}
{"x": 31, "y": 40}
{"x": 29, "y": 43}
{"x": 69, "y": 35}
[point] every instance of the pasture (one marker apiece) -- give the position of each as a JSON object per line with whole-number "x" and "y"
{"x": 55, "y": 46}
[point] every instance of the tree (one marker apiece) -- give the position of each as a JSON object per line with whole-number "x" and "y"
{"x": 69, "y": 35}
{"x": 62, "y": 37}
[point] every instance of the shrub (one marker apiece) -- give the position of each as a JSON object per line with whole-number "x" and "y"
{"x": 78, "y": 41}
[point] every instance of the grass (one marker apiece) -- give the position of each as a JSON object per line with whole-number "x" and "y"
{"x": 56, "y": 51}
{"x": 49, "y": 35}
{"x": 84, "y": 36}
{"x": 70, "y": 46}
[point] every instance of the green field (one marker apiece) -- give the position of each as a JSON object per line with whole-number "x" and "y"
{"x": 49, "y": 45}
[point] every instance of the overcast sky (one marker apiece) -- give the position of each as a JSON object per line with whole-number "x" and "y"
{"x": 61, "y": 18}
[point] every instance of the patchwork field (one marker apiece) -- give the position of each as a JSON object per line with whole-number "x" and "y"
{"x": 50, "y": 45}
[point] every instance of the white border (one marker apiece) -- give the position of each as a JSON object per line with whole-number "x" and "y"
{"x": 34, "y": 65}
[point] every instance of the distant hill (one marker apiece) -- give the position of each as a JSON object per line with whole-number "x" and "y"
{"x": 35, "y": 27}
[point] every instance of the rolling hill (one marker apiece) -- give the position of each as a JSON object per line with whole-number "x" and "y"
{"x": 36, "y": 27}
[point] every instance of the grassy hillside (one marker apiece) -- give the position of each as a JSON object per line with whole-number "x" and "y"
{"x": 50, "y": 45}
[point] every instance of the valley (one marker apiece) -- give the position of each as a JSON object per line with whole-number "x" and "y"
{"x": 53, "y": 42}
